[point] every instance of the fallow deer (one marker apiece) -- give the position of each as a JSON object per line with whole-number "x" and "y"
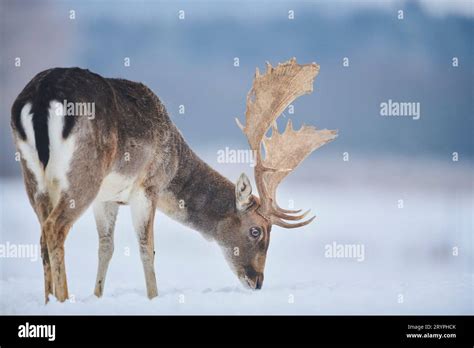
{"x": 131, "y": 153}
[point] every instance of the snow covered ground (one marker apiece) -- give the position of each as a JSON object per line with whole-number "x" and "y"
{"x": 408, "y": 265}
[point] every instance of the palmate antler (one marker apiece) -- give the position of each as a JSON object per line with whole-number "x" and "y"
{"x": 270, "y": 95}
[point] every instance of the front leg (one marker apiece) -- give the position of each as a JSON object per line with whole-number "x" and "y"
{"x": 143, "y": 214}
{"x": 105, "y": 214}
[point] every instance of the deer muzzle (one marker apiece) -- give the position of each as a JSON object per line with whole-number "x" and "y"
{"x": 254, "y": 281}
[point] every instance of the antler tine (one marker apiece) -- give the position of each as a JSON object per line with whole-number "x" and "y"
{"x": 281, "y": 210}
{"x": 290, "y": 217}
{"x": 284, "y": 224}
{"x": 289, "y": 149}
{"x": 270, "y": 95}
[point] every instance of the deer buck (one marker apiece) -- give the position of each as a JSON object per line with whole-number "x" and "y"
{"x": 130, "y": 153}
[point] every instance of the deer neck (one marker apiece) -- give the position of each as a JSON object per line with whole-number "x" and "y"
{"x": 198, "y": 196}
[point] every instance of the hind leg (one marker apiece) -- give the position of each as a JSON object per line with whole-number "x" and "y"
{"x": 105, "y": 214}
{"x": 69, "y": 208}
{"x": 43, "y": 207}
{"x": 143, "y": 214}
{"x": 48, "y": 280}
{"x": 69, "y": 170}
{"x": 55, "y": 233}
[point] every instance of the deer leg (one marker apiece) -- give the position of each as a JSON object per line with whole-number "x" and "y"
{"x": 55, "y": 238}
{"x": 56, "y": 228}
{"x": 48, "y": 280}
{"x": 42, "y": 207}
{"x": 105, "y": 214}
{"x": 143, "y": 213}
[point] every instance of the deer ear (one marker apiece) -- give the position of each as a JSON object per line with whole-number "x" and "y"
{"x": 243, "y": 193}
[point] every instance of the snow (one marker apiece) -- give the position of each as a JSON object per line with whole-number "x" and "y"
{"x": 408, "y": 268}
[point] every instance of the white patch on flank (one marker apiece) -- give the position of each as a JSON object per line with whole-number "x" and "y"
{"x": 60, "y": 152}
{"x": 28, "y": 147}
{"x": 116, "y": 187}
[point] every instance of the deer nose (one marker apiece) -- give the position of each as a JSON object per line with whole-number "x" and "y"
{"x": 259, "y": 281}
{"x": 253, "y": 279}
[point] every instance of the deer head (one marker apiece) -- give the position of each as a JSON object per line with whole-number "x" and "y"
{"x": 270, "y": 95}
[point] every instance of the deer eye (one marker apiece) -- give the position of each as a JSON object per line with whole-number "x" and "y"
{"x": 255, "y": 232}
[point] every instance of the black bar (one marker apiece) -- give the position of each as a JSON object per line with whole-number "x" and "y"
{"x": 135, "y": 330}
